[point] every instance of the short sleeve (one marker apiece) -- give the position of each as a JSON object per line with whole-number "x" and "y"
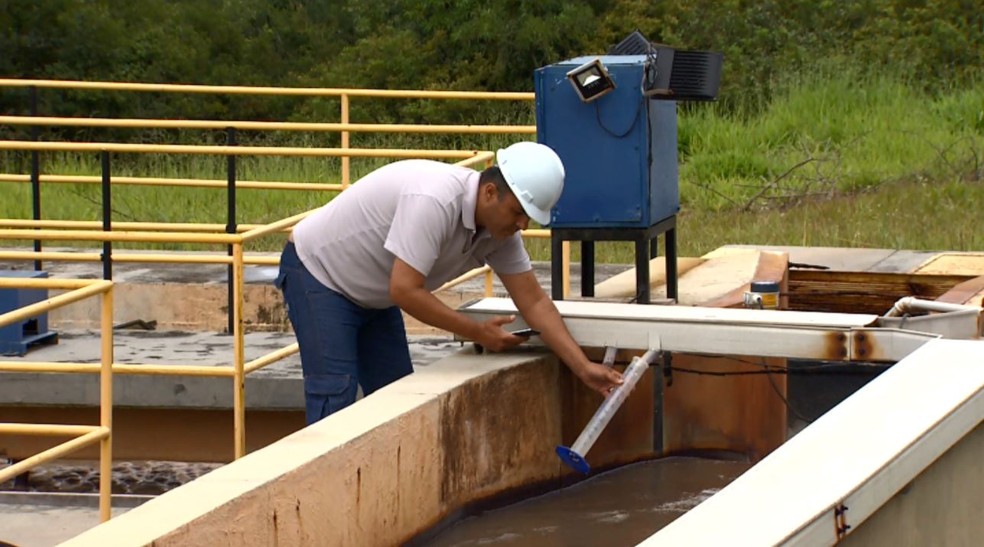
{"x": 510, "y": 258}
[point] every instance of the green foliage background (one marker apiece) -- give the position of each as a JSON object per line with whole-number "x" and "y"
{"x": 849, "y": 123}
{"x": 464, "y": 45}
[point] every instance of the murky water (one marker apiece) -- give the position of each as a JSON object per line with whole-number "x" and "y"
{"x": 620, "y": 507}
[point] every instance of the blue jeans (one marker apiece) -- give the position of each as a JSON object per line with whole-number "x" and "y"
{"x": 341, "y": 343}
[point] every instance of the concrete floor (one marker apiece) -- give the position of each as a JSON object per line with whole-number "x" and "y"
{"x": 44, "y": 520}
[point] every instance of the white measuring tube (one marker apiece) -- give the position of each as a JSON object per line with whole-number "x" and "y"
{"x": 574, "y": 456}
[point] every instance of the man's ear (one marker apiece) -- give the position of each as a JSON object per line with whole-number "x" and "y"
{"x": 489, "y": 191}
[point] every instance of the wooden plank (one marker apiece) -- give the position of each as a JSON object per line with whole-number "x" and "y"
{"x": 863, "y": 292}
{"x": 969, "y": 292}
{"x": 623, "y": 284}
{"x": 954, "y": 264}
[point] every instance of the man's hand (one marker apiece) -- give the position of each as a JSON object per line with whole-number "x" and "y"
{"x": 600, "y": 378}
{"x": 494, "y": 338}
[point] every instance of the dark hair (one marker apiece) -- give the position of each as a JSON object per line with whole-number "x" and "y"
{"x": 493, "y": 175}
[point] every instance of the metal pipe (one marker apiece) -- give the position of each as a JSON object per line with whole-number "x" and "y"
{"x": 33, "y": 310}
{"x": 177, "y": 258}
{"x": 241, "y": 125}
{"x": 272, "y": 357}
{"x": 49, "y": 283}
{"x": 282, "y": 225}
{"x": 346, "y": 173}
{"x": 127, "y": 257}
{"x": 464, "y": 277}
{"x": 69, "y": 146}
{"x": 107, "y": 212}
{"x": 908, "y": 304}
{"x": 46, "y": 430}
{"x": 486, "y": 157}
{"x": 118, "y": 368}
{"x": 286, "y": 91}
{"x": 489, "y": 280}
{"x": 95, "y": 235}
{"x": 35, "y": 174}
{"x": 238, "y": 356}
{"x": 565, "y": 259}
{"x": 230, "y": 218}
{"x": 189, "y": 183}
{"x": 274, "y": 227}
{"x": 106, "y": 407}
{"x": 52, "y": 454}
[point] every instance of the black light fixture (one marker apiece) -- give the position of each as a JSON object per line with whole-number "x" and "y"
{"x": 674, "y": 74}
{"x": 591, "y": 80}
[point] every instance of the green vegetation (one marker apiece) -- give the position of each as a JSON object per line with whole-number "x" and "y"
{"x": 839, "y": 123}
{"x": 838, "y": 161}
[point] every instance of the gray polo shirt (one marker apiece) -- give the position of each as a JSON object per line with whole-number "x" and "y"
{"x": 421, "y": 211}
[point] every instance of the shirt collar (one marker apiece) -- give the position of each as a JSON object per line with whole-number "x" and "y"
{"x": 470, "y": 201}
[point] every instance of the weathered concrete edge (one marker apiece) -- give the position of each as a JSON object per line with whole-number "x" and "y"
{"x": 858, "y": 455}
{"x": 376, "y": 473}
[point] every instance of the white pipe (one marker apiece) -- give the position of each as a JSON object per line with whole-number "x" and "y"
{"x": 910, "y": 303}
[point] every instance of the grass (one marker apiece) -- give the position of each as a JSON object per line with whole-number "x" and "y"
{"x": 841, "y": 161}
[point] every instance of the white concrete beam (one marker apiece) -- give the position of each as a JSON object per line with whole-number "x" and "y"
{"x": 717, "y": 331}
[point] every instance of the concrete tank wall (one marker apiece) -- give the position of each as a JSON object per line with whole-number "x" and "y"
{"x": 392, "y": 466}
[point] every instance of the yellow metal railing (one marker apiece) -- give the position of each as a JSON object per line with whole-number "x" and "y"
{"x": 201, "y": 233}
{"x": 83, "y": 435}
{"x": 344, "y": 95}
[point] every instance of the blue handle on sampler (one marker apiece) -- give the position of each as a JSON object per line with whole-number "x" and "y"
{"x": 573, "y": 460}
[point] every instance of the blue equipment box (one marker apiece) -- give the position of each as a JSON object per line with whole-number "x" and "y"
{"x": 16, "y": 338}
{"x": 619, "y": 150}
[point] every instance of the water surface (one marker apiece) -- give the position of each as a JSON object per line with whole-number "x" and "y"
{"x": 621, "y": 507}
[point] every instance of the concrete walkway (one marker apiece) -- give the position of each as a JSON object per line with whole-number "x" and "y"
{"x": 30, "y": 519}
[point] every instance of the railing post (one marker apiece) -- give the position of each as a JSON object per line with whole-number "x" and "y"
{"x": 106, "y": 408}
{"x": 231, "y": 225}
{"x": 107, "y": 208}
{"x": 35, "y": 175}
{"x": 346, "y": 176}
{"x": 239, "y": 355}
{"x": 489, "y": 284}
{"x": 566, "y": 268}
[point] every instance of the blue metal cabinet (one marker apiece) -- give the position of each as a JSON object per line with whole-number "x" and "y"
{"x": 16, "y": 338}
{"x": 619, "y": 151}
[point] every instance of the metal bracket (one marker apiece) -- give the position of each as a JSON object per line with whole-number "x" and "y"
{"x": 840, "y": 521}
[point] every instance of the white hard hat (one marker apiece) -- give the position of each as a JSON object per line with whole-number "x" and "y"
{"x": 535, "y": 174}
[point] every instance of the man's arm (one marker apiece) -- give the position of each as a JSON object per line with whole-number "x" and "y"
{"x": 540, "y": 313}
{"x": 407, "y": 290}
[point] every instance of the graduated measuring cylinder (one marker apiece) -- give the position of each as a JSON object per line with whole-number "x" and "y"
{"x": 575, "y": 455}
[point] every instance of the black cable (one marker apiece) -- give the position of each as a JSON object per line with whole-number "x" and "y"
{"x": 768, "y": 371}
{"x": 804, "y": 368}
{"x": 785, "y": 401}
{"x": 635, "y": 118}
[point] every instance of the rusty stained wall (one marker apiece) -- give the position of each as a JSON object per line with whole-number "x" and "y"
{"x": 375, "y": 490}
{"x": 737, "y": 413}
